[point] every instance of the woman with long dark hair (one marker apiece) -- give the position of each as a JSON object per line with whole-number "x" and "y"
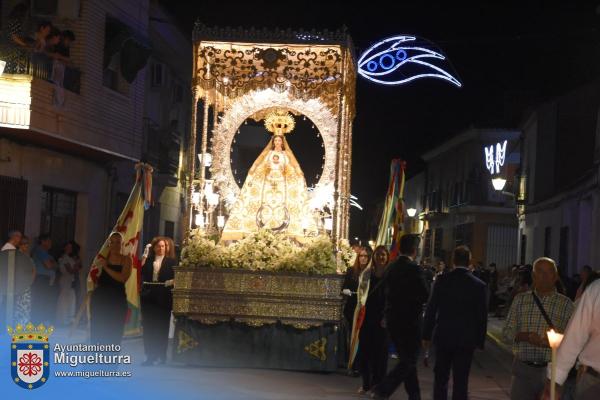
{"x": 373, "y": 336}
{"x": 108, "y": 304}
{"x": 157, "y": 299}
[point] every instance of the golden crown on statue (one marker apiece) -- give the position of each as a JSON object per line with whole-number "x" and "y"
{"x": 30, "y": 333}
{"x": 280, "y": 122}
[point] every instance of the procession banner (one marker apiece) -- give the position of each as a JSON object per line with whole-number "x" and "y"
{"x": 129, "y": 224}
{"x": 389, "y": 234}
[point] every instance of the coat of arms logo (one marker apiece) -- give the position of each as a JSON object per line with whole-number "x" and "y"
{"x": 30, "y": 355}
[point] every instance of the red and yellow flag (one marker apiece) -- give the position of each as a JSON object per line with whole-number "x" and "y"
{"x": 389, "y": 234}
{"x": 390, "y": 226}
{"x": 359, "y": 312}
{"x": 129, "y": 224}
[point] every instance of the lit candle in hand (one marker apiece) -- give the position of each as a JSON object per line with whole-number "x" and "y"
{"x": 554, "y": 339}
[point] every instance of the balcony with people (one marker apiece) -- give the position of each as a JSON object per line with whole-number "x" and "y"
{"x": 42, "y": 54}
{"x": 35, "y": 69}
{"x": 52, "y": 88}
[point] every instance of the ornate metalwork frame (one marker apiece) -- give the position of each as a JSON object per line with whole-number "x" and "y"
{"x": 238, "y": 73}
{"x": 254, "y": 102}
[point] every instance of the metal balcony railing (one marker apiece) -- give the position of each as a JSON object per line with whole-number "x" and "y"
{"x": 38, "y": 65}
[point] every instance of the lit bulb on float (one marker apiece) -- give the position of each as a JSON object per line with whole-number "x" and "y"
{"x": 208, "y": 187}
{"x": 207, "y": 159}
{"x": 212, "y": 199}
{"x": 196, "y": 198}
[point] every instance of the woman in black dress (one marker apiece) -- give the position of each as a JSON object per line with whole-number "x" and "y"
{"x": 373, "y": 337}
{"x": 108, "y": 303}
{"x": 157, "y": 300}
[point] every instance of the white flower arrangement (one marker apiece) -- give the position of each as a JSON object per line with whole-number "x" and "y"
{"x": 347, "y": 253}
{"x": 267, "y": 251}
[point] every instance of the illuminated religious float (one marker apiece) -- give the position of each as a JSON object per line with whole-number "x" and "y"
{"x": 259, "y": 282}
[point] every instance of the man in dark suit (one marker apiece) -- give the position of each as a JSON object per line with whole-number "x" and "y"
{"x": 457, "y": 317}
{"x": 405, "y": 293}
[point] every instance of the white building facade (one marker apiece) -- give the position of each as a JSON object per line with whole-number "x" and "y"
{"x": 561, "y": 164}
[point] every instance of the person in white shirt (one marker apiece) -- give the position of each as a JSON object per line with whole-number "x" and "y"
{"x": 14, "y": 238}
{"x": 581, "y": 342}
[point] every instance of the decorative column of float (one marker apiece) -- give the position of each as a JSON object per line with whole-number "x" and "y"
{"x": 348, "y": 167}
{"x": 191, "y": 161}
{"x": 203, "y": 149}
{"x": 337, "y": 196}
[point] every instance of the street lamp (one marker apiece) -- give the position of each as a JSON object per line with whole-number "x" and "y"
{"x": 498, "y": 183}
{"x": 411, "y": 212}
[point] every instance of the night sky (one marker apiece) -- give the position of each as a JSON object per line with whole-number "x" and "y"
{"x": 508, "y": 57}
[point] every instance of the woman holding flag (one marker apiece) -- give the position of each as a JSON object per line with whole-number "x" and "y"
{"x": 368, "y": 321}
{"x": 108, "y": 303}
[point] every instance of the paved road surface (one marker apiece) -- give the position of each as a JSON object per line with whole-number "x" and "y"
{"x": 490, "y": 380}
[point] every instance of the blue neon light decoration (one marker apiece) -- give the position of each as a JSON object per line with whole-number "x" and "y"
{"x": 402, "y": 59}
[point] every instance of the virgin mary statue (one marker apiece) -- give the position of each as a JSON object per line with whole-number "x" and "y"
{"x": 274, "y": 195}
